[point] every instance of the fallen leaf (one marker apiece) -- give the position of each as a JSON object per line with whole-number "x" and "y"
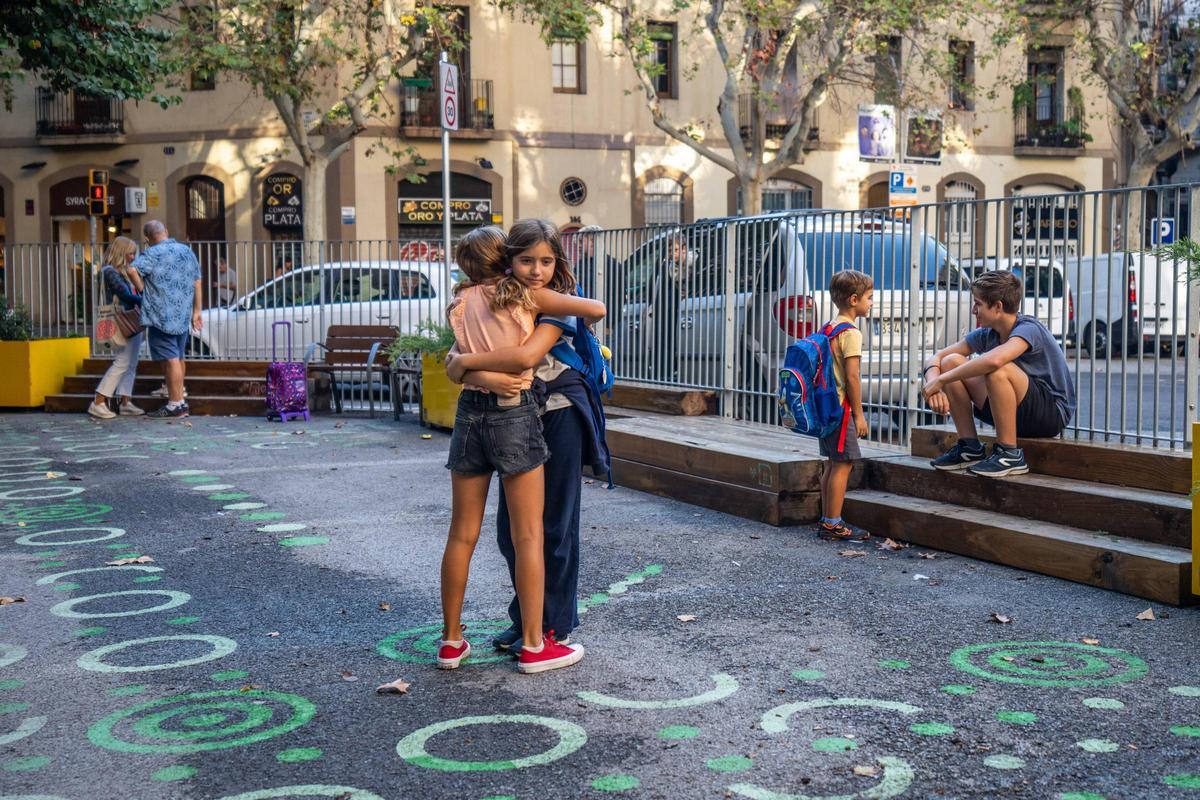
{"x": 385, "y": 606}
{"x": 187, "y": 424}
{"x": 831, "y": 577}
{"x": 249, "y": 687}
{"x": 930, "y": 556}
{"x": 588, "y": 482}
{"x": 1007, "y": 658}
{"x": 8, "y": 601}
{"x": 348, "y": 676}
{"x": 1146, "y": 615}
{"x": 1000, "y": 618}
{"x": 919, "y": 577}
{"x": 273, "y": 634}
{"x": 852, "y": 553}
{"x": 1091, "y": 641}
{"x": 685, "y": 617}
{"x": 398, "y": 686}
{"x": 299, "y": 433}
{"x": 864, "y": 771}
{"x": 339, "y": 424}
{"x": 755, "y": 536}
{"x": 891, "y": 544}
{"x": 426, "y": 435}
{"x": 120, "y": 562}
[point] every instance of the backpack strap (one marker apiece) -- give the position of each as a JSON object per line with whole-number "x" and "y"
{"x": 832, "y": 332}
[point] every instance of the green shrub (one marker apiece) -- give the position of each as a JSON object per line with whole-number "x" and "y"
{"x": 431, "y": 337}
{"x": 15, "y": 323}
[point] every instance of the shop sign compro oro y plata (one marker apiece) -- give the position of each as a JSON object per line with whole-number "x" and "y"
{"x": 426, "y": 211}
{"x": 283, "y": 206}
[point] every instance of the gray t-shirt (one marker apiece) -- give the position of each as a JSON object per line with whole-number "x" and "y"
{"x": 1043, "y": 361}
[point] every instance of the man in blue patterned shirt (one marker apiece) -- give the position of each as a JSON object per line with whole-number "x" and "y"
{"x": 170, "y": 308}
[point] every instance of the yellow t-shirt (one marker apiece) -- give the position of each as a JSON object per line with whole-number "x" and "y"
{"x": 848, "y": 345}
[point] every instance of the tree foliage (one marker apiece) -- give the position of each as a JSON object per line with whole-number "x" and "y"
{"x": 114, "y": 48}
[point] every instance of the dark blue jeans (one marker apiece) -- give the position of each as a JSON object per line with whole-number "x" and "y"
{"x": 564, "y": 431}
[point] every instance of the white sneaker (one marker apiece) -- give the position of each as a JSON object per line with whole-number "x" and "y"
{"x": 101, "y": 411}
{"x": 130, "y": 410}
{"x": 162, "y": 392}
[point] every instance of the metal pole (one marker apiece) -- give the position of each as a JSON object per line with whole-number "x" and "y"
{"x": 446, "y": 204}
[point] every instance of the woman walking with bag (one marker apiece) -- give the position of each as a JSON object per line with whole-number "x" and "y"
{"x": 120, "y": 283}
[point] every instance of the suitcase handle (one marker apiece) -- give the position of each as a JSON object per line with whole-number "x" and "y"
{"x": 275, "y": 325}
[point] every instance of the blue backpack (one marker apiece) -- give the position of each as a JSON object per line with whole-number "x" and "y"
{"x": 808, "y": 396}
{"x": 583, "y": 355}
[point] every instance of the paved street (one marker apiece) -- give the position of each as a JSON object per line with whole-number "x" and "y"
{"x": 295, "y": 569}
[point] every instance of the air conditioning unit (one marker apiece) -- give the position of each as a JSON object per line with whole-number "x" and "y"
{"x": 135, "y": 200}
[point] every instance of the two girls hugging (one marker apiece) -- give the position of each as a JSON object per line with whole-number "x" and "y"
{"x": 525, "y": 415}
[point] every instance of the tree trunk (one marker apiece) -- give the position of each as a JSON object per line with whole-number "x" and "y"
{"x": 1132, "y": 213}
{"x": 314, "y": 198}
{"x": 752, "y": 187}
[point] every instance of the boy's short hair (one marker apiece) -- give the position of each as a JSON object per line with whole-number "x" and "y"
{"x": 847, "y": 283}
{"x": 999, "y": 286}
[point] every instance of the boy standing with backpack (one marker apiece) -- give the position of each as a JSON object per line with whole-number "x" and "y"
{"x": 853, "y": 293}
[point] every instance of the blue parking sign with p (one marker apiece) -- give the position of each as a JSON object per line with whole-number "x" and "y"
{"x": 1163, "y": 230}
{"x": 896, "y": 180}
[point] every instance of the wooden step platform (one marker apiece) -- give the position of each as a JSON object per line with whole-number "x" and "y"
{"x": 195, "y": 367}
{"x": 662, "y": 399}
{"x": 205, "y": 385}
{"x": 1158, "y": 469}
{"x": 1153, "y": 571}
{"x": 756, "y": 472}
{"x": 197, "y": 404}
{"x": 1150, "y": 516}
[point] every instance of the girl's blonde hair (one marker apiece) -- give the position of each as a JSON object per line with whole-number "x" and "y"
{"x": 119, "y": 250}
{"x": 523, "y": 235}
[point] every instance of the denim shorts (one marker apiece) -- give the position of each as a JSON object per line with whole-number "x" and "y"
{"x": 165, "y": 346}
{"x": 489, "y": 437}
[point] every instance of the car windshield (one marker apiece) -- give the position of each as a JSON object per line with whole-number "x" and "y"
{"x": 1041, "y": 280}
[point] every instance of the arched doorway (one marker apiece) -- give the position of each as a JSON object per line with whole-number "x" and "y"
{"x": 419, "y": 206}
{"x": 960, "y": 218}
{"x": 204, "y": 221}
{"x": 877, "y": 195}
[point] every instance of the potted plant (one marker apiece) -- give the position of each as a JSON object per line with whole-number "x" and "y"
{"x": 33, "y": 368}
{"x": 423, "y": 353}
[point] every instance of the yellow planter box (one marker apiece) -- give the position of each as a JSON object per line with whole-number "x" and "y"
{"x": 37, "y": 368}
{"x": 1196, "y": 508}
{"x": 439, "y": 395}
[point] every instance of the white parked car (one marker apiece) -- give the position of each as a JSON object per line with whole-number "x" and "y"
{"x": 402, "y": 294}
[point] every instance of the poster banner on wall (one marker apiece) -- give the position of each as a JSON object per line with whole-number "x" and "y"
{"x": 876, "y": 132}
{"x": 923, "y": 136}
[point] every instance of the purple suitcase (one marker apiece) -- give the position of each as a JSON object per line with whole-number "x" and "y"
{"x": 287, "y": 383}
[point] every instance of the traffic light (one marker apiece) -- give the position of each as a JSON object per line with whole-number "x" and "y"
{"x": 98, "y": 192}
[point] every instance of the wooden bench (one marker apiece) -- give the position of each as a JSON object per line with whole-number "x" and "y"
{"x": 353, "y": 348}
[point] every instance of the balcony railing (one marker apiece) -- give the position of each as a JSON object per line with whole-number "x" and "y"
{"x": 1061, "y": 131}
{"x": 420, "y": 105}
{"x": 78, "y": 114}
{"x": 780, "y": 118}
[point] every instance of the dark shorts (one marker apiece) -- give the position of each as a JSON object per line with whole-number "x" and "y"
{"x": 165, "y": 346}
{"x": 1037, "y": 414}
{"x": 491, "y": 438}
{"x": 850, "y": 451}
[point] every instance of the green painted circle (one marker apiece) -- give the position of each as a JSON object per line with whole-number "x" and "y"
{"x": 931, "y": 728}
{"x": 252, "y": 705}
{"x": 179, "y": 473}
{"x": 303, "y": 541}
{"x": 205, "y": 720}
{"x": 615, "y": 783}
{"x": 257, "y": 516}
{"x": 1185, "y": 691}
{"x": 66, "y": 608}
{"x": 1103, "y": 703}
{"x": 298, "y": 755}
{"x": 833, "y": 744}
{"x": 11, "y": 653}
{"x": 93, "y": 660}
{"x": 95, "y": 630}
{"x": 306, "y": 790}
{"x": 176, "y": 773}
{"x": 1056, "y": 665}
{"x": 729, "y": 764}
{"x": 411, "y": 748}
{"x": 229, "y": 496}
{"x": 894, "y": 663}
{"x": 199, "y": 479}
{"x": 119, "y": 546}
{"x": 1017, "y": 717}
{"x": 34, "y": 539}
{"x": 282, "y": 527}
{"x": 1004, "y": 762}
{"x": 148, "y": 579}
{"x": 1185, "y": 730}
{"x": 12, "y": 683}
{"x": 229, "y": 675}
{"x": 51, "y": 564}
{"x": 958, "y": 689}
{"x": 808, "y": 674}
{"x": 421, "y": 644}
{"x": 13, "y": 708}
{"x": 1098, "y": 746}
{"x": 43, "y": 493}
{"x": 678, "y": 732}
{"x": 1182, "y": 781}
{"x": 244, "y": 506}
{"x": 183, "y": 620}
{"x": 1081, "y": 796}
{"x": 26, "y": 764}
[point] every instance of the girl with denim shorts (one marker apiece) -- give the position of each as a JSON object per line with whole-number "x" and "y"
{"x": 498, "y": 429}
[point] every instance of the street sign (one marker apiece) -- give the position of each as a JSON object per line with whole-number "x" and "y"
{"x": 1163, "y": 230}
{"x": 448, "y": 95}
{"x": 902, "y": 186}
{"x": 135, "y": 200}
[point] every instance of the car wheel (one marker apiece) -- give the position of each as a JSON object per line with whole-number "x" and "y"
{"x": 1095, "y": 337}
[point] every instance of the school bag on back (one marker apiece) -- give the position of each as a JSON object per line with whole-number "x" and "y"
{"x": 808, "y": 396}
{"x": 585, "y": 357}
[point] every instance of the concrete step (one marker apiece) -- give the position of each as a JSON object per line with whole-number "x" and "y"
{"x": 1157, "y": 469}
{"x": 1143, "y": 514}
{"x": 1154, "y": 571}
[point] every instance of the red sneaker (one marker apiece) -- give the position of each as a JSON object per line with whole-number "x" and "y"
{"x": 449, "y": 657}
{"x": 552, "y": 656}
